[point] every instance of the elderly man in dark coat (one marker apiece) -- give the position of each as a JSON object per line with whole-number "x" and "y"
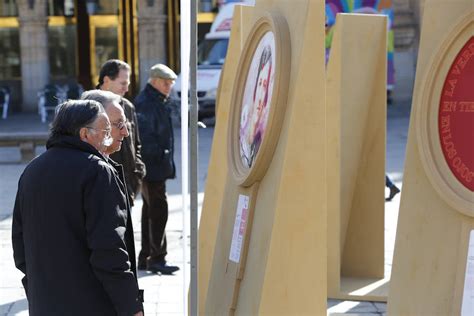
{"x": 119, "y": 133}
{"x": 156, "y": 130}
{"x": 70, "y": 219}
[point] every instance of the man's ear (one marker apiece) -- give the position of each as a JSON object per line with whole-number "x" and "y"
{"x": 83, "y": 133}
{"x": 107, "y": 80}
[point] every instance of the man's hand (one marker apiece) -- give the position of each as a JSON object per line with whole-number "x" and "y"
{"x": 140, "y": 313}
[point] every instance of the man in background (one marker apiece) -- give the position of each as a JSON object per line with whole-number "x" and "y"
{"x": 115, "y": 77}
{"x": 394, "y": 190}
{"x": 154, "y": 118}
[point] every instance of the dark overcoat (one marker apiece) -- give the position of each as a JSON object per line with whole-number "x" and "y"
{"x": 156, "y": 133}
{"x": 70, "y": 235}
{"x": 130, "y": 156}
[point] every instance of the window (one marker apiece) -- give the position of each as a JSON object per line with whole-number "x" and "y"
{"x": 212, "y": 52}
{"x": 8, "y": 8}
{"x": 62, "y": 50}
{"x": 9, "y": 54}
{"x": 60, "y": 8}
{"x": 102, "y": 7}
{"x": 105, "y": 45}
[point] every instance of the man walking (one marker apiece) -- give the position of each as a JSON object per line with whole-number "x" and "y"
{"x": 115, "y": 77}
{"x": 154, "y": 118}
{"x": 70, "y": 219}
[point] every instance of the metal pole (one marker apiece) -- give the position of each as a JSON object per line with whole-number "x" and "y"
{"x": 185, "y": 36}
{"x": 194, "y": 163}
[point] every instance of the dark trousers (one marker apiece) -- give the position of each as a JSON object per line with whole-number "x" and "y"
{"x": 388, "y": 182}
{"x": 154, "y": 218}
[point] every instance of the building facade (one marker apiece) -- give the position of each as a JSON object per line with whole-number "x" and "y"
{"x": 66, "y": 41}
{"x": 407, "y": 25}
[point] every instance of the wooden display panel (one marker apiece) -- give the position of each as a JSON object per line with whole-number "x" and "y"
{"x": 437, "y": 203}
{"x": 356, "y": 122}
{"x": 281, "y": 266}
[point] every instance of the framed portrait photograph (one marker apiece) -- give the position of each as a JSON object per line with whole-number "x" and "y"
{"x": 259, "y": 98}
{"x": 256, "y": 100}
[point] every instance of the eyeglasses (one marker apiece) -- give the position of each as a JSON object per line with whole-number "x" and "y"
{"x": 107, "y": 131}
{"x": 120, "y": 125}
{"x": 108, "y": 140}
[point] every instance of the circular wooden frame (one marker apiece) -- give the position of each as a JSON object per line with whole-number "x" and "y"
{"x": 427, "y": 126}
{"x": 278, "y": 26}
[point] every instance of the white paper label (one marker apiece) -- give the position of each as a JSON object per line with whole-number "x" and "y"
{"x": 468, "y": 296}
{"x": 239, "y": 228}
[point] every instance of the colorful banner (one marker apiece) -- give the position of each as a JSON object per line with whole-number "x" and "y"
{"x": 333, "y": 7}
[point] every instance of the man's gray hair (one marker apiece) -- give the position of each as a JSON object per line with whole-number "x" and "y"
{"x": 73, "y": 115}
{"x": 105, "y": 98}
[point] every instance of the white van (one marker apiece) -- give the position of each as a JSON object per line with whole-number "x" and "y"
{"x": 211, "y": 55}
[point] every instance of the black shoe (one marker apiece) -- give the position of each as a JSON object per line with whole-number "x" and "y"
{"x": 393, "y": 191}
{"x": 162, "y": 268}
{"x": 141, "y": 266}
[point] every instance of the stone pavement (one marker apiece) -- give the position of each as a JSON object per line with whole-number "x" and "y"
{"x": 164, "y": 295}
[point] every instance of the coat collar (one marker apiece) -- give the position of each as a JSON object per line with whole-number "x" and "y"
{"x": 155, "y": 93}
{"x": 113, "y": 163}
{"x": 73, "y": 142}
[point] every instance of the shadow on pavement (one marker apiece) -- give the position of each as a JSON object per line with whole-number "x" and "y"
{"x": 13, "y": 308}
